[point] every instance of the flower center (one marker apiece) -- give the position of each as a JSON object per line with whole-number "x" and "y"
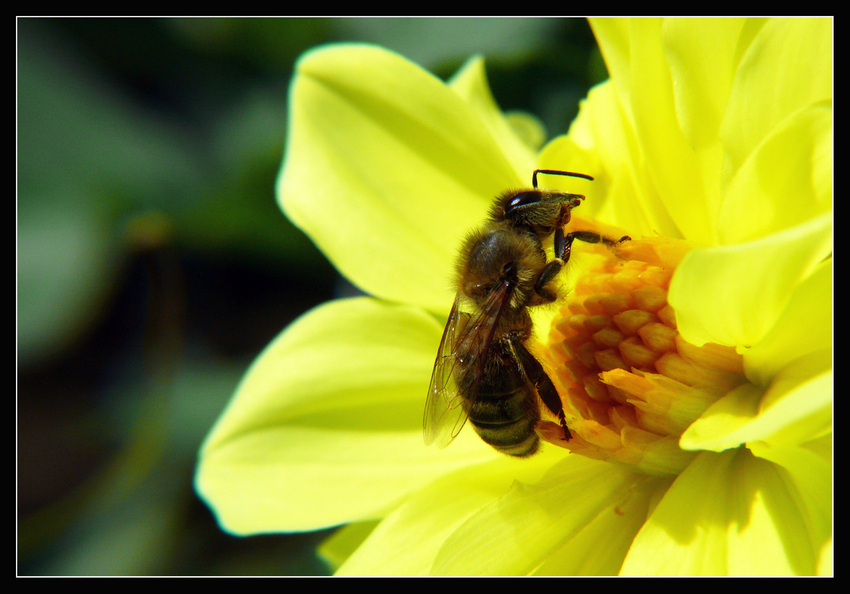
{"x": 630, "y": 384}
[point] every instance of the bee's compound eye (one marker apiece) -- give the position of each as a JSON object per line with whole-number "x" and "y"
{"x": 523, "y": 199}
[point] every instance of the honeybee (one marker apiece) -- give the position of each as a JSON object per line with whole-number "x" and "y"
{"x": 484, "y": 370}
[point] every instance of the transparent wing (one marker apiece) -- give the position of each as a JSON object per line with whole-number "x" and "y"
{"x": 463, "y": 349}
{"x": 444, "y": 413}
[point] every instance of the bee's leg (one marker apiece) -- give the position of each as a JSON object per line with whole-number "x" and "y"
{"x": 545, "y": 388}
{"x": 563, "y": 248}
{"x": 552, "y": 268}
{"x": 549, "y": 395}
{"x": 586, "y": 236}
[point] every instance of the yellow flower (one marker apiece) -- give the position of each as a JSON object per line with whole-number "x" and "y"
{"x": 711, "y": 146}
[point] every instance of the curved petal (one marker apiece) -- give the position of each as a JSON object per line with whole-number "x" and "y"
{"x": 796, "y": 408}
{"x": 805, "y": 326}
{"x": 727, "y": 514}
{"x": 670, "y": 161}
{"x": 272, "y": 460}
{"x": 787, "y": 179}
{"x": 788, "y": 66}
{"x": 703, "y": 58}
{"x": 809, "y": 468}
{"x": 340, "y": 545}
{"x": 733, "y": 295}
{"x": 601, "y": 142}
{"x": 470, "y": 82}
{"x": 434, "y": 512}
{"x": 385, "y": 168}
{"x": 600, "y": 547}
{"x": 613, "y": 37}
{"x": 516, "y": 533}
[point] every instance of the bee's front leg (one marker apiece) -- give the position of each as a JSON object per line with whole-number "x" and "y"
{"x": 563, "y": 249}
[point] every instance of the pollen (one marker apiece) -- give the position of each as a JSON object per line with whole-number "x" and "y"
{"x": 629, "y": 382}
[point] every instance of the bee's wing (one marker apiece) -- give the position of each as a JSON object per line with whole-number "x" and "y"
{"x": 444, "y": 415}
{"x": 469, "y": 337}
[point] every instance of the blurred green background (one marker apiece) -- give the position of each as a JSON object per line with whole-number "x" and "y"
{"x": 153, "y": 264}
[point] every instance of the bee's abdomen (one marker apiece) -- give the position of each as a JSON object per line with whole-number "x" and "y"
{"x": 506, "y": 422}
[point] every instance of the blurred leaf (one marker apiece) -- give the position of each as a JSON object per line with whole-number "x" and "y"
{"x": 430, "y": 41}
{"x": 86, "y": 154}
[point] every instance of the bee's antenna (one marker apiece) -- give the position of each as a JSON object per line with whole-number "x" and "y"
{"x": 556, "y": 172}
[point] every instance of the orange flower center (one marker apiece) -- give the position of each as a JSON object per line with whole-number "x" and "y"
{"x": 629, "y": 382}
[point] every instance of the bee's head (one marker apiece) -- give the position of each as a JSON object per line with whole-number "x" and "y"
{"x": 538, "y": 211}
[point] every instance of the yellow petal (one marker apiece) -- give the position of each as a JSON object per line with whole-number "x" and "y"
{"x": 787, "y": 66}
{"x": 470, "y": 82}
{"x": 804, "y": 326}
{"x": 796, "y": 408}
{"x": 273, "y": 458}
{"x": 601, "y": 143}
{"x": 600, "y": 547}
{"x": 514, "y": 534}
{"x": 613, "y": 37}
{"x": 787, "y": 179}
{"x": 341, "y": 544}
{"x": 396, "y": 154}
{"x": 703, "y": 56}
{"x": 727, "y": 514}
{"x": 809, "y": 469}
{"x": 826, "y": 559}
{"x": 409, "y": 538}
{"x": 671, "y": 163}
{"x": 732, "y": 295}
